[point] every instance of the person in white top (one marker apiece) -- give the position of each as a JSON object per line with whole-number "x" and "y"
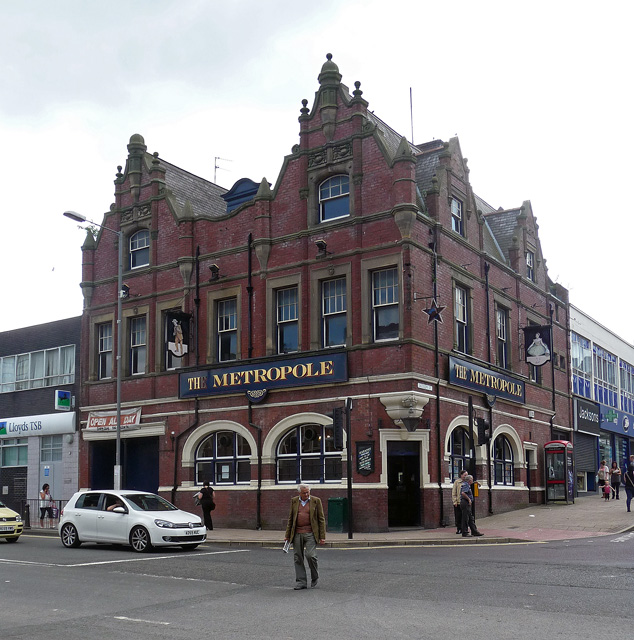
{"x": 46, "y": 504}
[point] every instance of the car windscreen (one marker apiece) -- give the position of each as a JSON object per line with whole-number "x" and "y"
{"x": 2, "y": 505}
{"x": 149, "y": 502}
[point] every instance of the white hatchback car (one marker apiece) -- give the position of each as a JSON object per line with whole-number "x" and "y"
{"x": 142, "y": 520}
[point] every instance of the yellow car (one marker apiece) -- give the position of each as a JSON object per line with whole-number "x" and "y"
{"x": 10, "y": 524}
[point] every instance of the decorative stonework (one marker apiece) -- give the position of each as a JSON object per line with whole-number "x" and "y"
{"x": 316, "y": 159}
{"x": 342, "y": 151}
{"x": 406, "y": 405}
{"x": 136, "y": 213}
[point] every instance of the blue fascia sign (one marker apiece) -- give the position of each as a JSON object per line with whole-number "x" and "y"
{"x": 616, "y": 421}
{"x": 326, "y": 368}
{"x": 487, "y": 381}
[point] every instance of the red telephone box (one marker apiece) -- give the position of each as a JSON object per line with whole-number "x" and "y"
{"x": 560, "y": 485}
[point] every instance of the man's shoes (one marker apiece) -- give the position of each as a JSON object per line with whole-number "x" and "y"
{"x": 476, "y": 533}
{"x": 313, "y": 584}
{"x": 458, "y": 532}
{"x": 297, "y": 587}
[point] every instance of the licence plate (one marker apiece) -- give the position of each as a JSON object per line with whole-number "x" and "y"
{"x": 193, "y": 532}
{"x": 6, "y": 528}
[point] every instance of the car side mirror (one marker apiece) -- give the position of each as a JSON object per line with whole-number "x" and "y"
{"x": 119, "y": 509}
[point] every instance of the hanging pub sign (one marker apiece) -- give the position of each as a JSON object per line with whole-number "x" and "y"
{"x": 537, "y": 344}
{"x": 176, "y": 337}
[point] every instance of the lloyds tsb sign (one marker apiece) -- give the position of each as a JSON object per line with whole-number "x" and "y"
{"x": 259, "y": 375}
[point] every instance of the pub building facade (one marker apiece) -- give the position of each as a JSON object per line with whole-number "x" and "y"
{"x": 369, "y": 276}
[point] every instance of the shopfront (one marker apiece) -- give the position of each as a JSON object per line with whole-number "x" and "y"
{"x": 615, "y": 439}
{"x": 34, "y": 450}
{"x": 587, "y": 429}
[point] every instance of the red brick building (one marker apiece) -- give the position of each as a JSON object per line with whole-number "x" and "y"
{"x": 254, "y": 313}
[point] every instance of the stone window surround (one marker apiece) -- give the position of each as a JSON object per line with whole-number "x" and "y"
{"x": 213, "y": 297}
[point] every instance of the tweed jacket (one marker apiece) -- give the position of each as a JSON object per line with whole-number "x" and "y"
{"x": 317, "y": 520}
{"x": 455, "y": 492}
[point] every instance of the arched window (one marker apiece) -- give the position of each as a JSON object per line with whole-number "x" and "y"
{"x": 140, "y": 249}
{"x": 503, "y": 461}
{"x": 334, "y": 198}
{"x": 307, "y": 454}
{"x": 223, "y": 458}
{"x": 460, "y": 451}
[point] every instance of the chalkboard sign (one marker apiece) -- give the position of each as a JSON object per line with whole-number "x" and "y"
{"x": 365, "y": 457}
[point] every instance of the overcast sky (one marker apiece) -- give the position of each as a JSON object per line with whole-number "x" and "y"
{"x": 539, "y": 94}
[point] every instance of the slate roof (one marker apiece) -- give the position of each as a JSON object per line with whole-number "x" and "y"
{"x": 502, "y": 224}
{"x": 427, "y": 160}
{"x": 205, "y": 197}
{"x": 391, "y": 138}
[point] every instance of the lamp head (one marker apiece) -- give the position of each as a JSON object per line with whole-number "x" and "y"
{"x": 215, "y": 271}
{"x": 73, "y": 215}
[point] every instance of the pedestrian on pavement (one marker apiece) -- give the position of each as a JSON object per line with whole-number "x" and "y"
{"x": 466, "y": 504}
{"x": 306, "y": 526}
{"x": 615, "y": 478}
{"x": 46, "y": 505}
{"x": 207, "y": 504}
{"x": 628, "y": 480}
{"x": 455, "y": 498}
{"x": 603, "y": 474}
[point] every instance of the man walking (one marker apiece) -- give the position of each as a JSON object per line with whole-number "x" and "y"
{"x": 466, "y": 505}
{"x": 628, "y": 480}
{"x": 455, "y": 498}
{"x": 306, "y": 525}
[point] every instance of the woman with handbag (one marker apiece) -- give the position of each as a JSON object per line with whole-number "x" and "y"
{"x": 206, "y": 498}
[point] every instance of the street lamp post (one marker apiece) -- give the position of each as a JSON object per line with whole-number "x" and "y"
{"x": 78, "y": 217}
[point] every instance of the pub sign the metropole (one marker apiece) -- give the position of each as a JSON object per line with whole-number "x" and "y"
{"x": 265, "y": 375}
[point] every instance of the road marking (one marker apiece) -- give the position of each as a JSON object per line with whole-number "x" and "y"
{"x": 139, "y": 620}
{"x": 438, "y": 546}
{"x": 93, "y": 564}
{"x": 625, "y": 538}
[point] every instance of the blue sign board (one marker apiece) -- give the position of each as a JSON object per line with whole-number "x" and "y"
{"x": 492, "y": 383}
{"x": 616, "y": 421}
{"x": 326, "y": 368}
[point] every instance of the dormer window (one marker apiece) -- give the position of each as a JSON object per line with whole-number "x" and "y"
{"x": 140, "y": 249}
{"x": 334, "y": 198}
{"x": 530, "y": 265}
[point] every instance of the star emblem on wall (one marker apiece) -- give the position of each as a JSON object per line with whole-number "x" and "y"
{"x": 434, "y": 312}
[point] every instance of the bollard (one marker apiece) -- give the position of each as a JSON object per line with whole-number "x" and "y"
{"x": 26, "y": 516}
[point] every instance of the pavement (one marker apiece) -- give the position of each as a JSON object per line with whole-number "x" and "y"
{"x": 589, "y": 516}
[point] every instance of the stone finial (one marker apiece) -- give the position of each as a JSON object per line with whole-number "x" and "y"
{"x": 304, "y": 110}
{"x": 329, "y": 72}
{"x": 357, "y": 93}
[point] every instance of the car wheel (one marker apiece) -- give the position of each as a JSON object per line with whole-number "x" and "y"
{"x": 70, "y": 537}
{"x": 140, "y": 539}
{"x": 188, "y": 547}
{"x": 12, "y": 539}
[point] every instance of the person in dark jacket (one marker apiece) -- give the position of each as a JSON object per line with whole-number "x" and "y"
{"x": 628, "y": 480}
{"x": 206, "y": 498}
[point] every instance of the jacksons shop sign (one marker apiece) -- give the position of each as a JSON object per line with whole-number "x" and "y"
{"x": 257, "y": 378}
{"x": 492, "y": 383}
